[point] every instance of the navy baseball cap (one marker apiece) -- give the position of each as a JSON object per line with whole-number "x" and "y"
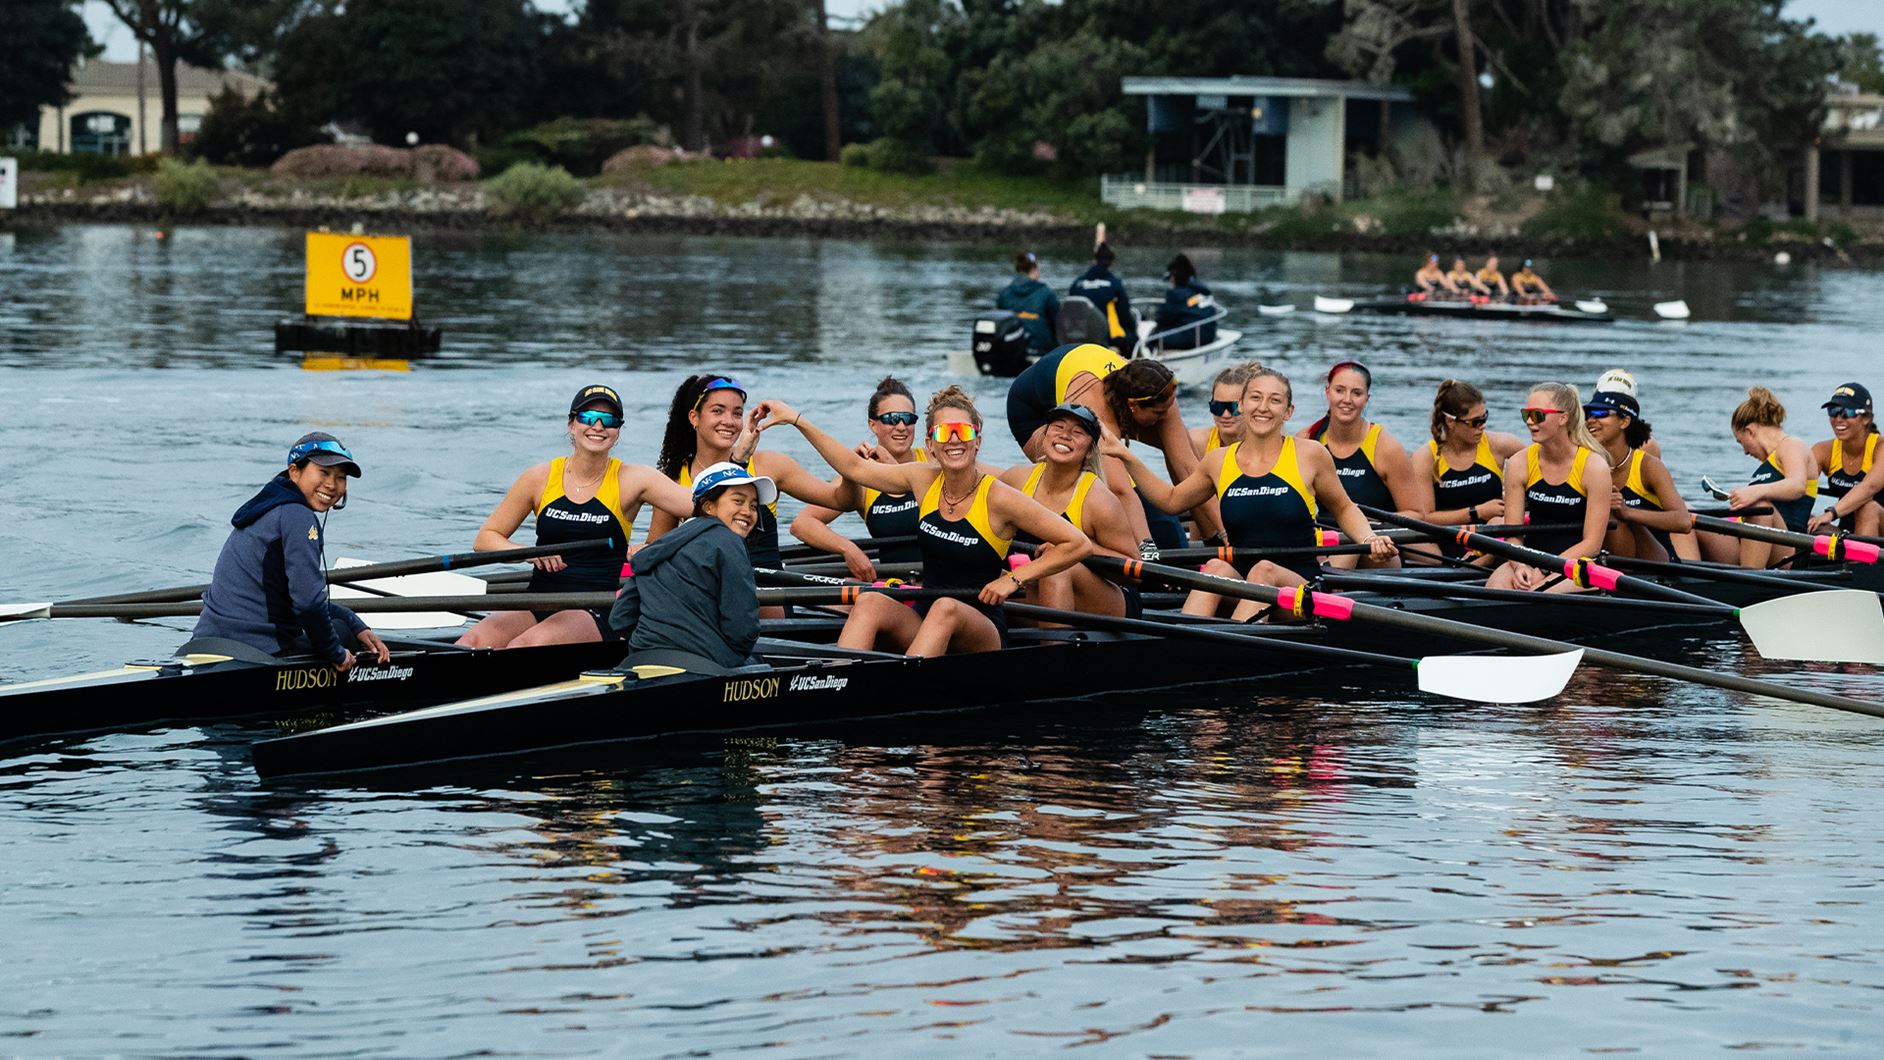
{"x": 1077, "y": 413}
{"x": 319, "y": 447}
{"x": 1851, "y": 396}
{"x": 1615, "y": 401}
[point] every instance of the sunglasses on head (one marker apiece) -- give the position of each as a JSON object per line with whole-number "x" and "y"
{"x": 896, "y": 419}
{"x": 1536, "y": 413}
{"x": 306, "y": 449}
{"x": 725, "y": 383}
{"x": 1224, "y": 408}
{"x": 944, "y": 432}
{"x": 608, "y": 421}
{"x": 1159, "y": 398}
{"x": 1469, "y": 421}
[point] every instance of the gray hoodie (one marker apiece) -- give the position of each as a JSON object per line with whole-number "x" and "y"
{"x": 693, "y": 591}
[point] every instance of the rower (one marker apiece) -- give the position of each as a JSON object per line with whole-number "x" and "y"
{"x": 1787, "y": 480}
{"x": 969, "y": 519}
{"x": 892, "y": 420}
{"x": 1431, "y": 282}
{"x": 1107, "y": 294}
{"x": 1466, "y": 281}
{"x": 1141, "y": 405}
{"x": 1071, "y": 372}
{"x": 1646, "y": 506}
{"x": 1622, "y": 381}
{"x": 705, "y": 423}
{"x": 1492, "y": 279}
{"x": 1064, "y": 482}
{"x": 1226, "y": 408}
{"x": 1188, "y": 308}
{"x": 690, "y": 599}
{"x": 1555, "y": 480}
{"x": 1370, "y": 461}
{"x": 579, "y": 497}
{"x": 1271, "y": 487}
{"x": 268, "y": 594}
{"x": 1529, "y": 287}
{"x": 1853, "y": 474}
{"x": 1032, "y": 301}
{"x": 1458, "y": 476}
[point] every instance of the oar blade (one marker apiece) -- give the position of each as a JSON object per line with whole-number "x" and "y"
{"x": 433, "y": 583}
{"x": 24, "y": 612}
{"x": 1498, "y": 678}
{"x": 1333, "y": 305}
{"x": 1835, "y": 625}
{"x": 1675, "y": 310}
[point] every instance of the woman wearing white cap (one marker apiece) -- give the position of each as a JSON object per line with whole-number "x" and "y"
{"x": 579, "y": 497}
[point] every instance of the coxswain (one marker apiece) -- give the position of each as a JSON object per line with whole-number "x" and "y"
{"x": 1853, "y": 474}
{"x": 969, "y": 519}
{"x": 1370, "y": 461}
{"x": 1032, "y": 301}
{"x": 268, "y": 594}
{"x": 580, "y": 497}
{"x": 1557, "y": 479}
{"x": 1430, "y": 281}
{"x": 1226, "y": 408}
{"x": 1492, "y": 278}
{"x": 1107, "y": 294}
{"x": 1270, "y": 486}
{"x": 1187, "y": 317}
{"x": 1643, "y": 500}
{"x": 1787, "y": 480}
{"x": 891, "y": 419}
{"x": 1067, "y": 481}
{"x": 1458, "y": 476}
{"x": 1529, "y": 287}
{"x": 1466, "y": 281}
{"x": 690, "y": 600}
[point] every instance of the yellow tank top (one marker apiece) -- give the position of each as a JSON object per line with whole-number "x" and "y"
{"x": 1076, "y": 507}
{"x": 1484, "y": 458}
{"x": 607, "y": 491}
{"x": 1634, "y": 483}
{"x": 870, "y": 495}
{"x": 1213, "y": 440}
{"x": 1091, "y": 357}
{"x": 1534, "y": 468}
{"x": 1837, "y": 463}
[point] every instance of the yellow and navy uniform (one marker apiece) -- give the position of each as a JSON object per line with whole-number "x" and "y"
{"x": 1554, "y": 502}
{"x": 893, "y": 515}
{"x": 962, "y": 553}
{"x": 1359, "y": 478}
{"x": 1075, "y": 508}
{"x": 1480, "y": 483}
{"x": 1273, "y": 510}
{"x": 1490, "y": 277}
{"x": 561, "y": 521}
{"x": 1839, "y": 482}
{"x": 1637, "y": 494}
{"x": 1043, "y": 383}
{"x": 1796, "y": 512}
{"x": 1213, "y": 440}
{"x": 762, "y": 542}
{"x": 1524, "y": 281}
{"x": 1461, "y": 279}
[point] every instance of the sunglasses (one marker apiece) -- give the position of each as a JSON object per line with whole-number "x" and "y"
{"x": 726, "y": 383}
{"x": 1843, "y": 414}
{"x": 1225, "y": 408}
{"x": 306, "y": 449}
{"x": 896, "y": 419}
{"x": 1476, "y": 422}
{"x": 1159, "y": 398}
{"x": 1536, "y": 414}
{"x": 944, "y": 432}
{"x": 608, "y": 421}
{"x": 1599, "y": 413}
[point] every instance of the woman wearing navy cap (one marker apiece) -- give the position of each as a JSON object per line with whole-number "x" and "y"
{"x": 579, "y": 497}
{"x": 1642, "y": 498}
{"x": 1853, "y": 474}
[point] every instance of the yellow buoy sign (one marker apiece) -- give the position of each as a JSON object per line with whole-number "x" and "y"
{"x": 359, "y": 276}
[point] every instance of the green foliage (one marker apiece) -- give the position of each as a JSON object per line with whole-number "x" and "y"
{"x": 581, "y": 145}
{"x": 86, "y": 167}
{"x": 44, "y": 39}
{"x": 1415, "y": 214}
{"x": 1057, "y": 105}
{"x": 1580, "y": 212}
{"x": 854, "y": 156}
{"x": 241, "y": 130}
{"x": 531, "y": 192}
{"x": 184, "y": 187}
{"x": 494, "y": 160}
{"x": 1797, "y": 230}
{"x": 1861, "y": 62}
{"x": 908, "y": 106}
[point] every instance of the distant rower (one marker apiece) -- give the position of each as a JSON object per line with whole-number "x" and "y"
{"x": 1530, "y": 287}
{"x": 1492, "y": 279}
{"x": 1431, "y": 279}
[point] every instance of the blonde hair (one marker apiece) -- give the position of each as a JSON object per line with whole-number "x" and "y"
{"x": 953, "y": 397}
{"x": 1270, "y": 373}
{"x": 1760, "y": 409}
{"x": 1236, "y": 375}
{"x": 1571, "y": 402}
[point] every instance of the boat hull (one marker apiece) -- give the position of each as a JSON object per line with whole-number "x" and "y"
{"x": 1550, "y": 312}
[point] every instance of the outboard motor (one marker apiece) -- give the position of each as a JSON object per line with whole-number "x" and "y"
{"x": 1000, "y": 343}
{"x": 1081, "y": 321}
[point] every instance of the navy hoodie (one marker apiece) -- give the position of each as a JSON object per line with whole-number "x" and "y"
{"x": 270, "y": 586}
{"x": 692, "y": 591}
{"x": 1038, "y": 308}
{"x": 1188, "y": 303}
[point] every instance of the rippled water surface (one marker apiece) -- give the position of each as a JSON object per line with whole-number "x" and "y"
{"x": 1340, "y": 867}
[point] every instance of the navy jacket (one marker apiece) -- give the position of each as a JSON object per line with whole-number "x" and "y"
{"x": 692, "y": 591}
{"x": 269, "y": 590}
{"x": 1038, "y": 308}
{"x": 1101, "y": 288}
{"x": 1186, "y": 303}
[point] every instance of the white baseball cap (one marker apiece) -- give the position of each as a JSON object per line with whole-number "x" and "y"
{"x": 726, "y": 473}
{"x": 1617, "y": 381}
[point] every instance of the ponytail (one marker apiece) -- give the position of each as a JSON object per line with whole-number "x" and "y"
{"x": 1760, "y": 409}
{"x": 1455, "y": 397}
{"x": 889, "y": 387}
{"x": 679, "y": 442}
{"x": 1565, "y": 396}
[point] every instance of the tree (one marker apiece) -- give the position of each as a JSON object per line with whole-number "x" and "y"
{"x": 1861, "y": 62}
{"x": 47, "y": 37}
{"x": 198, "y": 32}
{"x": 1064, "y": 95}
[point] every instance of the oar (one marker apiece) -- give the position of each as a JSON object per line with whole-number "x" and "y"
{"x": 1785, "y": 627}
{"x": 868, "y": 544}
{"x": 1386, "y": 582}
{"x": 1302, "y": 601}
{"x": 1333, "y": 305}
{"x": 1832, "y": 546}
{"x": 1781, "y": 582}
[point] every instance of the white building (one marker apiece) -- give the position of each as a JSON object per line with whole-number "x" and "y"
{"x": 117, "y": 108}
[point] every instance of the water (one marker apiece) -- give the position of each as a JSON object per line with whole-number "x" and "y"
{"x": 1334, "y": 866}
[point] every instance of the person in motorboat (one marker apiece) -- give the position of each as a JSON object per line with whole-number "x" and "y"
{"x": 579, "y": 497}
{"x": 1068, "y": 481}
{"x": 1787, "y": 480}
{"x": 690, "y": 600}
{"x": 1371, "y": 463}
{"x": 968, "y": 522}
{"x": 1529, "y": 287}
{"x": 1492, "y": 279}
{"x": 1458, "y": 475}
{"x": 1271, "y": 486}
{"x": 1188, "y": 308}
{"x": 1431, "y": 281}
{"x": 1853, "y": 474}
{"x": 268, "y": 594}
{"x": 891, "y": 418}
{"x": 1032, "y": 301}
{"x": 1559, "y": 479}
{"x": 1643, "y": 499}
{"x": 1226, "y": 408}
{"x": 1106, "y": 292}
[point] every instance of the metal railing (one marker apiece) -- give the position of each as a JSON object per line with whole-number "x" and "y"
{"x": 1154, "y": 342}
{"x": 1133, "y": 193}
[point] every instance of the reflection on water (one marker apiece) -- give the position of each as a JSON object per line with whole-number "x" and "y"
{"x": 1333, "y": 865}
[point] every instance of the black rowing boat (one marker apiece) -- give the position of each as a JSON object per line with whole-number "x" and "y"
{"x": 1573, "y": 313}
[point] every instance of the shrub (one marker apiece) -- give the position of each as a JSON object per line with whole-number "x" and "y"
{"x": 439, "y": 164}
{"x": 1416, "y": 215}
{"x": 582, "y": 145}
{"x": 430, "y": 162}
{"x": 855, "y": 156}
{"x": 1580, "y": 212}
{"x": 494, "y": 160}
{"x": 890, "y": 156}
{"x": 87, "y": 167}
{"x": 242, "y": 130}
{"x": 184, "y": 187}
{"x": 646, "y": 156}
{"x": 530, "y": 192}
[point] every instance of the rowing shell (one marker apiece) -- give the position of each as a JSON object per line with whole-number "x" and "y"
{"x": 1596, "y": 313}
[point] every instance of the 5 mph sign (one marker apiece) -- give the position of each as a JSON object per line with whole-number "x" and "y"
{"x": 359, "y": 276}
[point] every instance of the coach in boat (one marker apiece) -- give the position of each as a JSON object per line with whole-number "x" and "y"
{"x": 1560, "y": 478}
{"x": 269, "y": 590}
{"x": 579, "y": 497}
{"x": 968, "y": 521}
{"x": 1031, "y": 301}
{"x": 1188, "y": 305}
{"x": 1271, "y": 486}
{"x": 1106, "y": 292}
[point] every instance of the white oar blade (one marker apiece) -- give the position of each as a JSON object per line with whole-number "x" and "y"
{"x": 24, "y": 612}
{"x": 1498, "y": 678}
{"x": 1836, "y": 625}
{"x": 1274, "y": 310}
{"x": 1591, "y": 305}
{"x": 436, "y": 583}
{"x": 1676, "y": 310}
{"x": 1333, "y": 305}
